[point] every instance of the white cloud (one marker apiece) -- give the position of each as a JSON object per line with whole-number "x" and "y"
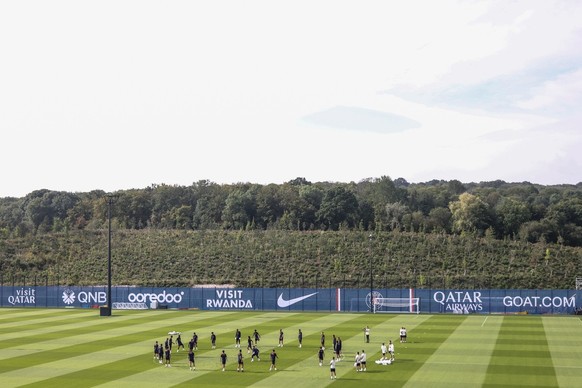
{"x": 563, "y": 91}
{"x": 126, "y": 94}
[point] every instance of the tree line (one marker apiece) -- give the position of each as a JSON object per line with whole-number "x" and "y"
{"x": 500, "y": 210}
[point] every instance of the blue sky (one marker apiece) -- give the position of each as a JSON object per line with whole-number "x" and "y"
{"x": 124, "y": 94}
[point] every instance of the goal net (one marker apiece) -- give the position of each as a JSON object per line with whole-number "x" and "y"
{"x": 129, "y": 306}
{"x": 396, "y": 305}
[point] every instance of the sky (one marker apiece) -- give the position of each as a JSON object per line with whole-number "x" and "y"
{"x": 114, "y": 95}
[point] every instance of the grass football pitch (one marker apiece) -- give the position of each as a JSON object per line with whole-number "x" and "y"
{"x": 78, "y": 348}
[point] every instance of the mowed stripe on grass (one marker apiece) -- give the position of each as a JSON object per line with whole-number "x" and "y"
{"x": 460, "y": 357}
{"x": 299, "y": 367}
{"x": 383, "y": 327}
{"x": 565, "y": 344}
{"x": 79, "y": 348}
{"x": 116, "y": 340}
{"x": 130, "y": 371}
{"x": 39, "y": 345}
{"x": 207, "y": 359}
{"x": 60, "y": 328}
{"x": 11, "y": 315}
{"x": 521, "y": 356}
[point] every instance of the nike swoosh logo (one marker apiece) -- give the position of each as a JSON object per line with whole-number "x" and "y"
{"x": 286, "y": 303}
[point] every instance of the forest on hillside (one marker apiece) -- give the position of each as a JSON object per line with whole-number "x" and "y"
{"x": 516, "y": 211}
{"x": 302, "y": 234}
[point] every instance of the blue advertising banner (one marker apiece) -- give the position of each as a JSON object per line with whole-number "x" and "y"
{"x": 300, "y": 299}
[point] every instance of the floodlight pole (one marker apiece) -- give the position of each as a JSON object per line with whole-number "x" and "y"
{"x": 109, "y": 201}
{"x": 110, "y": 198}
{"x": 370, "y": 237}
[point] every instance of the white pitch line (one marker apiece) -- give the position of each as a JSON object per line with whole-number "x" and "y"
{"x": 483, "y": 324}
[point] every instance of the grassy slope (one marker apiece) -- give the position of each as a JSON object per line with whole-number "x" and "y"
{"x": 296, "y": 259}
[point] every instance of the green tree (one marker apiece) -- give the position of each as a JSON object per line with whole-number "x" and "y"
{"x": 81, "y": 214}
{"x": 134, "y": 208}
{"x": 338, "y": 206}
{"x": 470, "y": 215}
{"x": 376, "y": 193}
{"x": 11, "y": 213}
{"x": 414, "y": 221}
{"x": 165, "y": 199}
{"x": 511, "y": 213}
{"x": 439, "y": 220}
{"x": 183, "y": 216}
{"x": 211, "y": 199}
{"x": 538, "y": 231}
{"x": 292, "y": 206}
{"x": 268, "y": 205}
{"x": 239, "y": 209}
{"x": 567, "y": 215}
{"x": 395, "y": 213}
{"x": 311, "y": 198}
{"x": 455, "y": 187}
{"x": 43, "y": 206}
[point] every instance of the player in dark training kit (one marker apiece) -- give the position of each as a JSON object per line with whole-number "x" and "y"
{"x": 274, "y": 358}
{"x": 179, "y": 342}
{"x": 168, "y": 357}
{"x": 320, "y": 356}
{"x": 240, "y": 367}
{"x": 161, "y": 354}
{"x": 195, "y": 341}
{"x": 281, "y": 336}
{"x": 223, "y": 360}
{"x": 156, "y": 350}
{"x": 249, "y": 344}
{"x": 338, "y": 349}
{"x": 213, "y": 340}
{"x": 255, "y": 354}
{"x": 300, "y": 338}
{"x": 191, "y": 360}
{"x": 237, "y": 336}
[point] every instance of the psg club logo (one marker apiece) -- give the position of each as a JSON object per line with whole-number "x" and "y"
{"x": 375, "y": 295}
{"x": 68, "y": 296}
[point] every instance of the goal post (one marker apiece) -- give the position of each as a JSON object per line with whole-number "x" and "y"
{"x": 129, "y": 306}
{"x": 396, "y": 305}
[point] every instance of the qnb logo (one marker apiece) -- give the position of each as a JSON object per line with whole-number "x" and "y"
{"x": 163, "y": 297}
{"x": 68, "y": 296}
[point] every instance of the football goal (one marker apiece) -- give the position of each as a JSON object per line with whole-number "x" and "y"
{"x": 129, "y": 306}
{"x": 396, "y": 305}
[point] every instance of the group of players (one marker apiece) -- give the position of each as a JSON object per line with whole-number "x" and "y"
{"x": 163, "y": 352}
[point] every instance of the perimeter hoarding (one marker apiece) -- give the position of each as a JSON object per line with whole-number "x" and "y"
{"x": 295, "y": 299}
